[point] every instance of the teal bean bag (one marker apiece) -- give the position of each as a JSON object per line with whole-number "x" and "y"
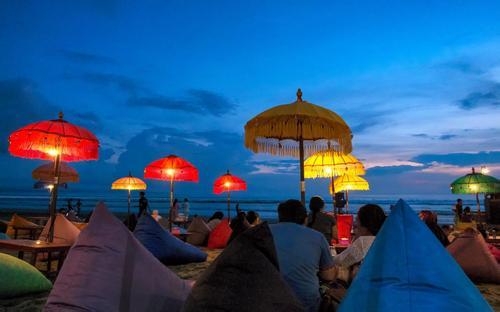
{"x": 4, "y": 236}
{"x": 18, "y": 278}
{"x": 163, "y": 245}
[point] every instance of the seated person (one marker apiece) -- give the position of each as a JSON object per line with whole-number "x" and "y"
{"x": 466, "y": 215}
{"x": 215, "y": 219}
{"x": 319, "y": 220}
{"x": 369, "y": 220}
{"x": 303, "y": 254}
{"x": 448, "y": 231}
{"x": 253, "y": 218}
{"x": 239, "y": 225}
{"x": 430, "y": 219}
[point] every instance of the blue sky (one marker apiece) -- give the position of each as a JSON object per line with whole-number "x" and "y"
{"x": 417, "y": 81}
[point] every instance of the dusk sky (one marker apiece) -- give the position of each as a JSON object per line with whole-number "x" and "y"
{"x": 418, "y": 82}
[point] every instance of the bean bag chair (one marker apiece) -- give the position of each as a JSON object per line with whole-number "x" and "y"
{"x": 344, "y": 227}
{"x": 18, "y": 221}
{"x": 199, "y": 232}
{"x": 163, "y": 245}
{"x": 4, "y": 236}
{"x": 64, "y": 230}
{"x": 109, "y": 270}
{"x": 18, "y": 278}
{"x": 495, "y": 252}
{"x": 79, "y": 225}
{"x": 472, "y": 254}
{"x": 244, "y": 277}
{"x": 220, "y": 235}
{"x": 408, "y": 269}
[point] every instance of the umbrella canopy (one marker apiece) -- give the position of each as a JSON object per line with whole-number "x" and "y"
{"x": 348, "y": 182}
{"x": 129, "y": 183}
{"x": 327, "y": 164}
{"x": 171, "y": 168}
{"x": 46, "y": 139}
{"x": 56, "y": 140}
{"x": 46, "y": 173}
{"x": 475, "y": 183}
{"x": 229, "y": 183}
{"x": 297, "y": 129}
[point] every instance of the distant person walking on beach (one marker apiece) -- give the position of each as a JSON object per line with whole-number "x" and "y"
{"x": 303, "y": 253}
{"x": 174, "y": 210}
{"x": 143, "y": 204}
{"x": 321, "y": 221}
{"x": 458, "y": 210}
{"x": 185, "y": 208}
{"x": 78, "y": 206}
{"x": 70, "y": 205}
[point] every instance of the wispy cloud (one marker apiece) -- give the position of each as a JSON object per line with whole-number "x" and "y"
{"x": 86, "y": 58}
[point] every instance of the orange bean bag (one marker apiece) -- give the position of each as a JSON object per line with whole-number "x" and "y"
{"x": 472, "y": 254}
{"x": 17, "y": 221}
{"x": 220, "y": 235}
{"x": 64, "y": 230}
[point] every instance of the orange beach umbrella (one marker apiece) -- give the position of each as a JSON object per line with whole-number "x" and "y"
{"x": 56, "y": 140}
{"x": 46, "y": 173}
{"x": 228, "y": 183}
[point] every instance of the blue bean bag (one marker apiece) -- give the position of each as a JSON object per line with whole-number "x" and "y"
{"x": 163, "y": 245}
{"x": 4, "y": 236}
{"x": 408, "y": 269}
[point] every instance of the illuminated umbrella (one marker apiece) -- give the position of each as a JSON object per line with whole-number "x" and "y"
{"x": 348, "y": 182}
{"x": 475, "y": 183}
{"x": 130, "y": 184}
{"x": 297, "y": 129}
{"x": 329, "y": 164}
{"x": 229, "y": 183}
{"x": 46, "y": 173}
{"x": 56, "y": 140}
{"x": 173, "y": 169}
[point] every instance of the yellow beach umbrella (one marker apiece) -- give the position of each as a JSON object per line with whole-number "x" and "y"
{"x": 129, "y": 183}
{"x": 328, "y": 164}
{"x": 297, "y": 129}
{"x": 348, "y": 182}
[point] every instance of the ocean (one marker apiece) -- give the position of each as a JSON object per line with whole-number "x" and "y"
{"x": 37, "y": 201}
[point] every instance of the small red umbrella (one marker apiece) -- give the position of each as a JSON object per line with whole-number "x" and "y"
{"x": 174, "y": 169}
{"x": 56, "y": 140}
{"x": 228, "y": 183}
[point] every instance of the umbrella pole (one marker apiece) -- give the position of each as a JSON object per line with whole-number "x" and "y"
{"x": 301, "y": 156}
{"x": 171, "y": 203}
{"x": 346, "y": 200}
{"x": 53, "y": 197}
{"x": 128, "y": 211}
{"x": 228, "y": 206}
{"x": 478, "y": 206}
{"x": 333, "y": 196}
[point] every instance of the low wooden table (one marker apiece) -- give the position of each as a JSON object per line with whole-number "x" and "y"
{"x": 34, "y": 231}
{"x": 36, "y": 247}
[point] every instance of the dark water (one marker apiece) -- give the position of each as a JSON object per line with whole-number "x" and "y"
{"x": 117, "y": 202}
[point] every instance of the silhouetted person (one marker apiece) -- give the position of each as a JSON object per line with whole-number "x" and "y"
{"x": 430, "y": 219}
{"x": 143, "y": 204}
{"x": 78, "y": 206}
{"x": 319, "y": 220}
{"x": 458, "y": 210}
{"x": 215, "y": 219}
{"x": 253, "y": 218}
{"x": 239, "y": 225}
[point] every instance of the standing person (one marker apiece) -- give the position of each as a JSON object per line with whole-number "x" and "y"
{"x": 185, "y": 208}
{"x": 78, "y": 206}
{"x": 143, "y": 205}
{"x": 174, "y": 211}
{"x": 321, "y": 221}
{"x": 458, "y": 210}
{"x": 303, "y": 253}
{"x": 70, "y": 205}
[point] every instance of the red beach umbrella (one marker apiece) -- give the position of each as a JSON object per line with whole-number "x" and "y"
{"x": 228, "y": 183}
{"x": 174, "y": 169}
{"x": 56, "y": 140}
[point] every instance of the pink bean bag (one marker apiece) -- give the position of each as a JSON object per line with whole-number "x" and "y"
{"x": 109, "y": 270}
{"x": 64, "y": 230}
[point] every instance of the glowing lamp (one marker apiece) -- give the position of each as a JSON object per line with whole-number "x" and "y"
{"x": 52, "y": 152}
{"x": 170, "y": 172}
{"x": 485, "y": 170}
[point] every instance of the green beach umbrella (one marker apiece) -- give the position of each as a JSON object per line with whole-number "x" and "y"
{"x": 475, "y": 183}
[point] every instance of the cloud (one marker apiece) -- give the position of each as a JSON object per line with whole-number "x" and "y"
{"x": 489, "y": 97}
{"x": 460, "y": 159}
{"x": 442, "y": 137}
{"x": 197, "y": 102}
{"x": 20, "y": 104}
{"x": 86, "y": 58}
{"x": 390, "y": 170}
{"x": 89, "y": 120}
{"x": 446, "y": 137}
{"x": 123, "y": 83}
